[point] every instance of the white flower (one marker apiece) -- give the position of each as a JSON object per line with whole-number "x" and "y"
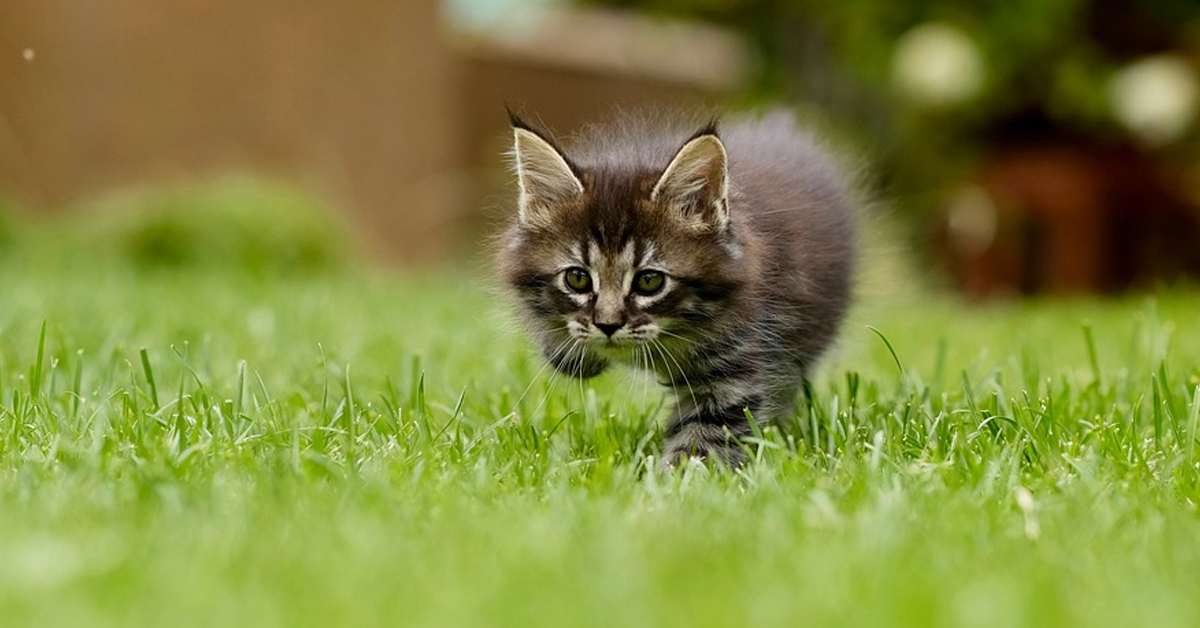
{"x": 1155, "y": 98}
{"x": 935, "y": 64}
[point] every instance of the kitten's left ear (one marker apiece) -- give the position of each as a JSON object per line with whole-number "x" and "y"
{"x": 696, "y": 183}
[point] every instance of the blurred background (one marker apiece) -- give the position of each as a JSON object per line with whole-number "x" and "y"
{"x": 1023, "y": 146}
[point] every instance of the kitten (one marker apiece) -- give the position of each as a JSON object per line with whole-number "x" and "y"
{"x": 720, "y": 260}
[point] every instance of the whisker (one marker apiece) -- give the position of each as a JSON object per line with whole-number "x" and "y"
{"x": 670, "y": 375}
{"x": 675, "y": 335}
{"x": 643, "y": 353}
{"x": 545, "y": 365}
{"x": 573, "y": 343}
{"x": 579, "y": 378}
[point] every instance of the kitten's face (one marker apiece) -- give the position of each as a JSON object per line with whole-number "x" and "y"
{"x": 614, "y": 299}
{"x": 612, "y": 294}
{"x": 618, "y": 259}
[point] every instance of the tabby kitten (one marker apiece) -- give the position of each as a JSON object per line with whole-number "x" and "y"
{"x": 721, "y": 261}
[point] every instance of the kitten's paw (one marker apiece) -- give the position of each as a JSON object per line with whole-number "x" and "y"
{"x": 706, "y": 442}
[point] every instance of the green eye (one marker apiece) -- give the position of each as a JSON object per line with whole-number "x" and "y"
{"x": 648, "y": 282}
{"x": 578, "y": 279}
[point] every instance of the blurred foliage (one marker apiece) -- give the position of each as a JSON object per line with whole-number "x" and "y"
{"x": 255, "y": 225}
{"x": 1047, "y": 65}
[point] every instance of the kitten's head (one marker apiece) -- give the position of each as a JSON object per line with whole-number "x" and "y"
{"x": 622, "y": 252}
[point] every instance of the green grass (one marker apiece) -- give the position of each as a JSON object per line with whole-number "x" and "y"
{"x": 343, "y": 447}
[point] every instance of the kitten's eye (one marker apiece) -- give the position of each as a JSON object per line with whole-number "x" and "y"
{"x": 578, "y": 279}
{"x": 648, "y": 282}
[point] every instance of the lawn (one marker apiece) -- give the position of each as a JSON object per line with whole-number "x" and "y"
{"x": 187, "y": 442}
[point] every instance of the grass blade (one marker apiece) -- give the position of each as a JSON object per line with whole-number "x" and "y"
{"x": 35, "y": 378}
{"x": 149, "y": 372}
{"x": 887, "y": 343}
{"x": 1090, "y": 340}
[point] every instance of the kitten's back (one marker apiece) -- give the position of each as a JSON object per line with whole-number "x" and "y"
{"x": 793, "y": 194}
{"x": 782, "y": 176}
{"x": 794, "y": 197}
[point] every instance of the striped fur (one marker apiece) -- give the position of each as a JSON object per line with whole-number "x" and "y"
{"x": 751, "y": 230}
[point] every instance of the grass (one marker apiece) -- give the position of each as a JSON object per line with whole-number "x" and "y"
{"x": 199, "y": 445}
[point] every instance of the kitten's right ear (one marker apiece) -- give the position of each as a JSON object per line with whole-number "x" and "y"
{"x": 695, "y": 183}
{"x": 544, "y": 176}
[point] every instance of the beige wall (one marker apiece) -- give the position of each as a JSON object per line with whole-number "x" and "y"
{"x": 355, "y": 98}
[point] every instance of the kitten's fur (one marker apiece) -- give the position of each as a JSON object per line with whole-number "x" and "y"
{"x": 751, "y": 228}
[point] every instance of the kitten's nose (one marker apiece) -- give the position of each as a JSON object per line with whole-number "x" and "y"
{"x": 608, "y": 328}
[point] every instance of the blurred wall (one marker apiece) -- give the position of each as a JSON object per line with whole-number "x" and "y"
{"x": 382, "y": 107}
{"x": 354, "y": 98}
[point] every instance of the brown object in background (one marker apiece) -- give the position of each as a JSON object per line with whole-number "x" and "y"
{"x": 1069, "y": 217}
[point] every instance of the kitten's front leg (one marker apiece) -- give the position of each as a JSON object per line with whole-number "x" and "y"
{"x": 710, "y": 432}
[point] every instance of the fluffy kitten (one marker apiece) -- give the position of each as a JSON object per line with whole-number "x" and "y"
{"x": 720, "y": 260}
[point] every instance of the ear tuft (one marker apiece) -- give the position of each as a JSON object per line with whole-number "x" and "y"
{"x": 695, "y": 184}
{"x": 516, "y": 121}
{"x": 544, "y": 175}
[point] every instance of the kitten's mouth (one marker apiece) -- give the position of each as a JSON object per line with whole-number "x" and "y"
{"x": 618, "y": 350}
{"x": 619, "y": 343}
{"x": 622, "y": 340}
